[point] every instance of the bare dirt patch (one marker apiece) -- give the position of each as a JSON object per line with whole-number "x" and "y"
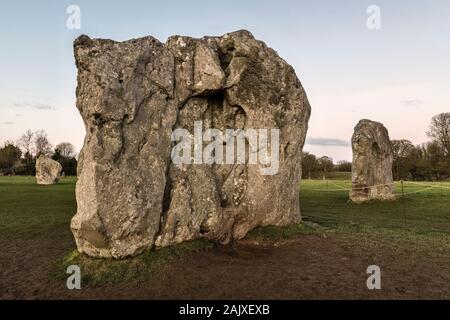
{"x": 309, "y": 267}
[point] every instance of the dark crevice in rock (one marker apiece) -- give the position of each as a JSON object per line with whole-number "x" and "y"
{"x": 240, "y": 117}
{"x": 98, "y": 120}
{"x": 204, "y": 229}
{"x": 167, "y": 198}
{"x": 286, "y": 150}
{"x": 226, "y": 54}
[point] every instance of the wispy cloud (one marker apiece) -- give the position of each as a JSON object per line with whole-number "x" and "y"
{"x": 37, "y": 106}
{"x": 21, "y": 104}
{"x": 414, "y": 102}
{"x": 43, "y": 107}
{"x": 19, "y": 115}
{"x": 327, "y": 142}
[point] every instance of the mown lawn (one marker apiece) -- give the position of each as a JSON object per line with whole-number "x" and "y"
{"x": 28, "y": 210}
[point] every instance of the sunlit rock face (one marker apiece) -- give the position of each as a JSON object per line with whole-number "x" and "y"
{"x": 132, "y": 95}
{"x": 372, "y": 163}
{"x": 48, "y": 171}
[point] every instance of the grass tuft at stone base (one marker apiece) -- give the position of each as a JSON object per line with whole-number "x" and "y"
{"x": 96, "y": 271}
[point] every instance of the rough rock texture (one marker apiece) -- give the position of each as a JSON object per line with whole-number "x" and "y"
{"x": 48, "y": 171}
{"x": 133, "y": 94}
{"x": 372, "y": 163}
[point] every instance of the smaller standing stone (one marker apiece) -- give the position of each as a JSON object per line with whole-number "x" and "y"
{"x": 48, "y": 171}
{"x": 372, "y": 163}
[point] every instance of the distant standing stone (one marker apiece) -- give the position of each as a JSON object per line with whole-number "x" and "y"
{"x": 372, "y": 163}
{"x": 48, "y": 171}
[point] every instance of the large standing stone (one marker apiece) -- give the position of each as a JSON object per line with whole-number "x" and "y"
{"x": 133, "y": 94}
{"x": 372, "y": 163}
{"x": 48, "y": 171}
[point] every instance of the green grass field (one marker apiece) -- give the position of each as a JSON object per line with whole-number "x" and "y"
{"x": 420, "y": 220}
{"x": 418, "y": 223}
{"x": 29, "y": 210}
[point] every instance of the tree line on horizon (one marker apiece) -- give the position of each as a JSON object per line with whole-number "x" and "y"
{"x": 427, "y": 161}
{"x": 19, "y": 157}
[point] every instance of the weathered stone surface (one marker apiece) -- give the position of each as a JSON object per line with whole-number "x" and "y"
{"x": 48, "y": 171}
{"x": 133, "y": 94}
{"x": 372, "y": 163}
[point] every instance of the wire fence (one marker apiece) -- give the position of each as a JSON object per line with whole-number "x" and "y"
{"x": 414, "y": 206}
{"x": 400, "y": 184}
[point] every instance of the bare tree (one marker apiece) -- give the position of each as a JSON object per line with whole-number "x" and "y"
{"x": 403, "y": 151}
{"x": 66, "y": 149}
{"x": 401, "y": 148}
{"x": 309, "y": 163}
{"x": 42, "y": 144}
{"x": 325, "y": 165}
{"x": 26, "y": 142}
{"x": 440, "y": 130}
{"x": 344, "y": 166}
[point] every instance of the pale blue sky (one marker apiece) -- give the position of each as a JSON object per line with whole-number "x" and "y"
{"x": 399, "y": 75}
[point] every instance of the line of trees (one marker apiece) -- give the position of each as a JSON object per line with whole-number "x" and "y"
{"x": 428, "y": 161}
{"x": 322, "y": 167}
{"x": 19, "y": 157}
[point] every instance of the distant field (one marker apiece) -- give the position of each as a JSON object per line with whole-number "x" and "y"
{"x": 410, "y": 237}
{"x": 420, "y": 220}
{"x": 30, "y": 210}
{"x": 331, "y": 176}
